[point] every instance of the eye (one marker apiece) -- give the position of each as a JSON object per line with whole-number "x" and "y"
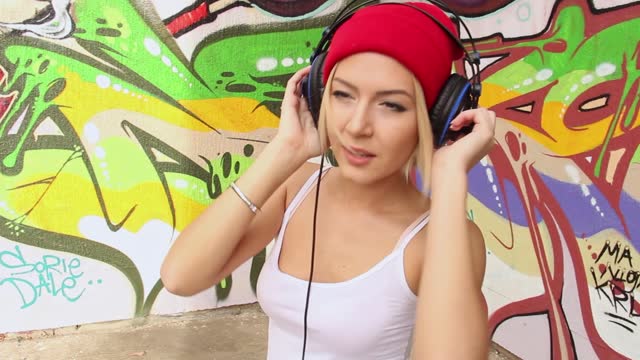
{"x": 394, "y": 106}
{"x": 340, "y": 94}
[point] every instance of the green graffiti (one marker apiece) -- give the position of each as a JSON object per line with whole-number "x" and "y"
{"x": 122, "y": 46}
{"x": 636, "y": 157}
{"x": 37, "y": 83}
{"x": 261, "y": 73}
{"x": 40, "y": 75}
{"x": 580, "y": 62}
{"x": 119, "y": 33}
{"x": 582, "y": 57}
{"x": 223, "y": 288}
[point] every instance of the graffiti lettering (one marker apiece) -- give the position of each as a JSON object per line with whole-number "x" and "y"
{"x": 618, "y": 295}
{"x": 615, "y": 252}
{"x": 56, "y": 276}
{"x": 616, "y": 284}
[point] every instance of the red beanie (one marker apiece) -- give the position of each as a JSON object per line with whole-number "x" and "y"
{"x": 405, "y": 34}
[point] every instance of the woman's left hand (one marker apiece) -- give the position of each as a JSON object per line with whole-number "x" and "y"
{"x": 465, "y": 152}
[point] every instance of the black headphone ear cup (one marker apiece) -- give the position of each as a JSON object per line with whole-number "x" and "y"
{"x": 313, "y": 88}
{"x": 453, "y": 99}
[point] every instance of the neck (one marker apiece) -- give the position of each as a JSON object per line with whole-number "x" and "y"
{"x": 384, "y": 195}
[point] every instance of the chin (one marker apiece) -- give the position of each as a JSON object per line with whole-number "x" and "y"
{"x": 367, "y": 171}
{"x": 370, "y": 174}
{"x": 358, "y": 176}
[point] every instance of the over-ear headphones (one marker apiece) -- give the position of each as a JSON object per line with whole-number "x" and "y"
{"x": 459, "y": 93}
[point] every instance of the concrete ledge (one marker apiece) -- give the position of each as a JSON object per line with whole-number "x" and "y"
{"x": 231, "y": 333}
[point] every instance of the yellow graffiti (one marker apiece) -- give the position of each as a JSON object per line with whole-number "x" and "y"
{"x": 517, "y": 251}
{"x": 562, "y": 141}
{"x": 73, "y": 184}
{"x": 109, "y": 99}
{"x": 234, "y": 114}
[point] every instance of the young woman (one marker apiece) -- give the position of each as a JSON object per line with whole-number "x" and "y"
{"x": 395, "y": 270}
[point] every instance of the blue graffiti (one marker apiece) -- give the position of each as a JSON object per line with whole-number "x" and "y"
{"x": 54, "y": 275}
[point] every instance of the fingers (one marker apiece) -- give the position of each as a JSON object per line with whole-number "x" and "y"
{"x": 303, "y": 107}
{"x": 483, "y": 117}
{"x": 304, "y": 114}
{"x": 292, "y": 93}
{"x": 293, "y": 85}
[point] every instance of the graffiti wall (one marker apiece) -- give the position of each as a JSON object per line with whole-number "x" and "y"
{"x": 120, "y": 121}
{"x": 558, "y": 198}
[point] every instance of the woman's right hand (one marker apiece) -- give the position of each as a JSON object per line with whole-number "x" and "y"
{"x": 297, "y": 130}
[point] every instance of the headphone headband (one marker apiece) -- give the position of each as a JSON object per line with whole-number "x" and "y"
{"x": 457, "y": 93}
{"x": 472, "y": 58}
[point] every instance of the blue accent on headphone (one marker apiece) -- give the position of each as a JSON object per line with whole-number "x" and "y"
{"x": 450, "y": 116}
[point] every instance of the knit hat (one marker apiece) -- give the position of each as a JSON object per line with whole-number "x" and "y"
{"x": 405, "y": 34}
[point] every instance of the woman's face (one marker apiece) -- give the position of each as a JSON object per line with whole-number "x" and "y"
{"x": 371, "y": 121}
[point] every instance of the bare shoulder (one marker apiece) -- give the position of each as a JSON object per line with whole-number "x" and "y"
{"x": 415, "y": 249}
{"x": 298, "y": 178}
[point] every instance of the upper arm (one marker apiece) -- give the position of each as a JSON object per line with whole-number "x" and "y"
{"x": 413, "y": 264}
{"x": 438, "y": 326}
{"x": 478, "y": 252}
{"x": 260, "y": 232}
{"x": 479, "y": 258}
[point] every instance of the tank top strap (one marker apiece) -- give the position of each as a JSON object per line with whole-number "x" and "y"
{"x": 302, "y": 193}
{"x": 412, "y": 230}
{"x": 293, "y": 206}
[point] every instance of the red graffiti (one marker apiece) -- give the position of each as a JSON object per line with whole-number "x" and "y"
{"x": 614, "y": 103}
{"x": 5, "y": 100}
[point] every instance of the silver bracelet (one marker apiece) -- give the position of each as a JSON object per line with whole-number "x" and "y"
{"x": 244, "y": 198}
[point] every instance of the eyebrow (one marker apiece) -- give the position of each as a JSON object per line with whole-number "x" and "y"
{"x": 382, "y": 92}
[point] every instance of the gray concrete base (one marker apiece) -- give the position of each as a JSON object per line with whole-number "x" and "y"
{"x": 233, "y": 333}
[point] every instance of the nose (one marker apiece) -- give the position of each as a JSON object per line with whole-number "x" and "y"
{"x": 359, "y": 122}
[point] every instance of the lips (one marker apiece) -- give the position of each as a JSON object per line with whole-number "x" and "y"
{"x": 359, "y": 151}
{"x": 357, "y": 157}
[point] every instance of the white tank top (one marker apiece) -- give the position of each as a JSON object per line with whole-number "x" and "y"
{"x": 367, "y": 317}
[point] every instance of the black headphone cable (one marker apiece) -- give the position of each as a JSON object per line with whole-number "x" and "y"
{"x": 313, "y": 253}
{"x": 472, "y": 58}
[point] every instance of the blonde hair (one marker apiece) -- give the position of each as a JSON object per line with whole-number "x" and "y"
{"x": 423, "y": 154}
{"x": 322, "y": 117}
{"x": 420, "y": 160}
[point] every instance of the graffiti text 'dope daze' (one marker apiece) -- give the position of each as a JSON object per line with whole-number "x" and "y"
{"x": 51, "y": 274}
